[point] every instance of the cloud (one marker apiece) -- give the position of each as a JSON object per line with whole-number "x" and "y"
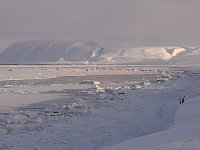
{"x": 142, "y": 22}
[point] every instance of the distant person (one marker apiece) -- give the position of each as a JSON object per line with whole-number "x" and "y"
{"x": 183, "y": 99}
{"x": 180, "y": 101}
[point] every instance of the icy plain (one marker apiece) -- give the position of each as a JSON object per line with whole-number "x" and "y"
{"x": 89, "y": 107}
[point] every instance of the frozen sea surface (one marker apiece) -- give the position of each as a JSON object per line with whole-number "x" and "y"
{"x": 49, "y": 107}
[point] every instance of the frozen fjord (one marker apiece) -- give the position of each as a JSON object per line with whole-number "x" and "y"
{"x": 130, "y": 101}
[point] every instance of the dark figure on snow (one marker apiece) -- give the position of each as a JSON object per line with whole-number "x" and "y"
{"x": 183, "y": 99}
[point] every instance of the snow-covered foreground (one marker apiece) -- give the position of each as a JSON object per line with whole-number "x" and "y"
{"x": 93, "y": 107}
{"x": 184, "y": 134}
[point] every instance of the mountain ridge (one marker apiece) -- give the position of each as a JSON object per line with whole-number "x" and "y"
{"x": 60, "y": 51}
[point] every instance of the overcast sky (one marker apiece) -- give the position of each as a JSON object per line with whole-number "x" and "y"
{"x": 137, "y": 22}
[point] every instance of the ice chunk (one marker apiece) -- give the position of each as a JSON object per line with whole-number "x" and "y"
{"x": 92, "y": 82}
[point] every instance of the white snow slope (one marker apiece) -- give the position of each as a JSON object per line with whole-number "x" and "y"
{"x": 90, "y": 107}
{"x": 90, "y": 52}
{"x": 183, "y": 135}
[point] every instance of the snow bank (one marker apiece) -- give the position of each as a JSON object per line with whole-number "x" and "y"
{"x": 185, "y": 134}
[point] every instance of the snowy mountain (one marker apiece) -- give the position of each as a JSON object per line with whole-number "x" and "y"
{"x": 47, "y": 51}
{"x": 90, "y": 52}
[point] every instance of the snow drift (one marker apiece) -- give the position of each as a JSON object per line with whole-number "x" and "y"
{"x": 184, "y": 134}
{"x": 83, "y": 52}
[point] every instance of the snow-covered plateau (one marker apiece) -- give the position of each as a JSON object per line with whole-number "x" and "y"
{"x": 90, "y": 52}
{"x": 91, "y": 107}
